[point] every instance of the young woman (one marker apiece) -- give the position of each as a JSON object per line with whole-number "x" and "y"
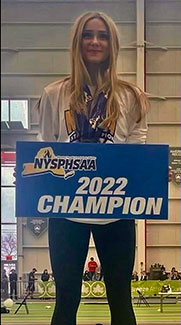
{"x": 93, "y": 105}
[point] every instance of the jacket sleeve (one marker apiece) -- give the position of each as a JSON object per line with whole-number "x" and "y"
{"x": 138, "y": 132}
{"x": 48, "y": 119}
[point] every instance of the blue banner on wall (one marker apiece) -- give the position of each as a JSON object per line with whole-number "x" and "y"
{"x": 128, "y": 181}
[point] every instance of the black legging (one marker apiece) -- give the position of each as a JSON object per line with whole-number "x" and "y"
{"x": 115, "y": 244}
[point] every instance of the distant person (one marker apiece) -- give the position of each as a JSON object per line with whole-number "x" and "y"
{"x": 135, "y": 276}
{"x": 175, "y": 276}
{"x": 31, "y": 282}
{"x": 173, "y": 269}
{"x": 86, "y": 276}
{"x": 141, "y": 268}
{"x": 4, "y": 284}
{"x": 45, "y": 276}
{"x": 164, "y": 275}
{"x": 143, "y": 276}
{"x": 92, "y": 266}
{"x": 13, "y": 284}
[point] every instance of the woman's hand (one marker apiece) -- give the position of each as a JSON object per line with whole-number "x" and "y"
{"x": 170, "y": 174}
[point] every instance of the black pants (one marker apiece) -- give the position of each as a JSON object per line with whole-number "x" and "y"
{"x": 91, "y": 275}
{"x": 4, "y": 288}
{"x": 115, "y": 244}
{"x": 13, "y": 289}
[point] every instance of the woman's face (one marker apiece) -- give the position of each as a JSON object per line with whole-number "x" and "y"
{"x": 95, "y": 41}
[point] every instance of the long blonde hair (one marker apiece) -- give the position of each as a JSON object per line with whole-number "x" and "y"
{"x": 107, "y": 79}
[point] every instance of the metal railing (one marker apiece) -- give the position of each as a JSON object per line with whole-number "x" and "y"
{"x": 22, "y": 289}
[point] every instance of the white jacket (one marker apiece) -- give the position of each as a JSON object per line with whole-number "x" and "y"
{"x": 55, "y": 122}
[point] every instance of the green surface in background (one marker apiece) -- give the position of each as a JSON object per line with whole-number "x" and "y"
{"x": 91, "y": 312}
